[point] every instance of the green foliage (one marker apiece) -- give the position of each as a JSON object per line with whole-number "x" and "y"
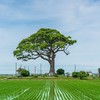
{"x": 23, "y": 72}
{"x": 60, "y": 71}
{"x": 81, "y": 74}
{"x": 34, "y": 76}
{"x": 41, "y": 44}
{"x": 75, "y": 74}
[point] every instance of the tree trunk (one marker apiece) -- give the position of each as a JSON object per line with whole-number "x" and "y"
{"x": 52, "y": 64}
{"x": 52, "y": 68}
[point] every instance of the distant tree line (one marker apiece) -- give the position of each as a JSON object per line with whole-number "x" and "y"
{"x": 82, "y": 74}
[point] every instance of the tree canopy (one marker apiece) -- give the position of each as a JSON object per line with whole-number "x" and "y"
{"x": 45, "y": 43}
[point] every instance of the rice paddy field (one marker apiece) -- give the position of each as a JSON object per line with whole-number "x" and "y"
{"x": 50, "y": 89}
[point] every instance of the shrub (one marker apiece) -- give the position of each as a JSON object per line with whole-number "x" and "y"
{"x": 83, "y": 74}
{"x": 60, "y": 71}
{"x": 23, "y": 72}
{"x": 75, "y": 74}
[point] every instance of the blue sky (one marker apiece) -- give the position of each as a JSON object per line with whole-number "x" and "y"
{"x": 78, "y": 18}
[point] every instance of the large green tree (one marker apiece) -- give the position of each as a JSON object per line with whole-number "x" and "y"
{"x": 45, "y": 43}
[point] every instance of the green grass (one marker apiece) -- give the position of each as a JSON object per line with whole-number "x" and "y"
{"x": 50, "y": 89}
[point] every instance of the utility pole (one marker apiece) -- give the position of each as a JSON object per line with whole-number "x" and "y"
{"x": 20, "y": 66}
{"x": 24, "y": 67}
{"x": 28, "y": 68}
{"x": 35, "y": 70}
{"x": 40, "y": 69}
{"x": 16, "y": 68}
{"x": 75, "y": 68}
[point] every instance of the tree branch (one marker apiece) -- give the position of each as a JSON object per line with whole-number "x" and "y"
{"x": 65, "y": 49}
{"x": 42, "y": 56}
{"x": 62, "y": 49}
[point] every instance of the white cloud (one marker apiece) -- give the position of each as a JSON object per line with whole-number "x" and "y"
{"x": 78, "y": 18}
